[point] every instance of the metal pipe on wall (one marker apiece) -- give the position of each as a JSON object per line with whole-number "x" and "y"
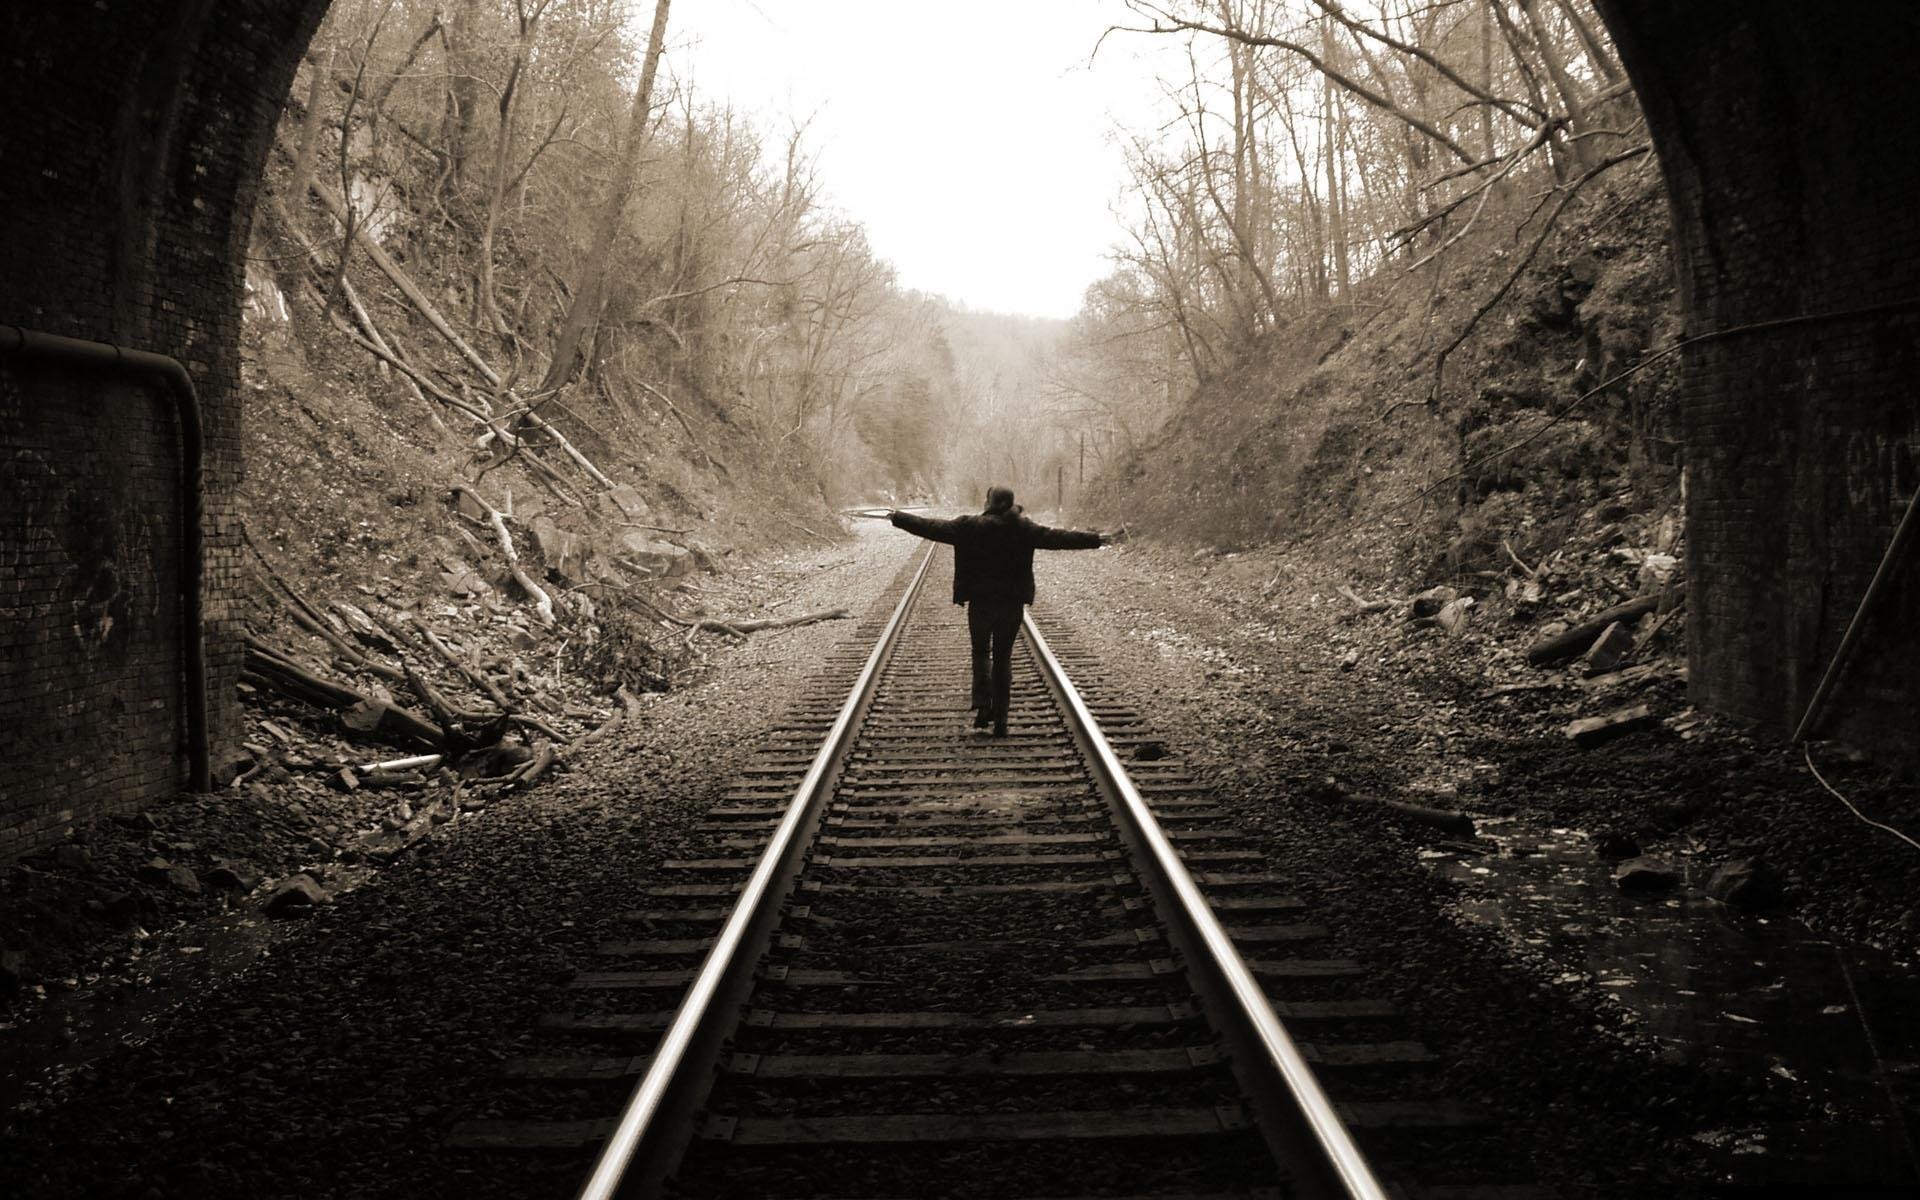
{"x": 31, "y": 345}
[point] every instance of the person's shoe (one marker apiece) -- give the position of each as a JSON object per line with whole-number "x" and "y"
{"x": 982, "y": 717}
{"x": 1000, "y": 727}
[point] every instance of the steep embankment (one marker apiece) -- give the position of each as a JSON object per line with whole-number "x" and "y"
{"x": 1329, "y": 433}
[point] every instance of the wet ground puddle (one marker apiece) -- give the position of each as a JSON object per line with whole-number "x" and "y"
{"x": 1704, "y": 983}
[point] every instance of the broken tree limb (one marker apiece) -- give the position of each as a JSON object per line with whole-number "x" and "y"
{"x": 542, "y": 602}
{"x": 527, "y": 776}
{"x": 741, "y": 628}
{"x": 1364, "y": 607}
{"x": 1526, "y": 570}
{"x": 440, "y": 325}
{"x": 478, "y": 678}
{"x": 532, "y": 722}
{"x": 1435, "y": 818}
{"x": 400, "y": 279}
{"x": 1575, "y": 641}
{"x": 267, "y": 668}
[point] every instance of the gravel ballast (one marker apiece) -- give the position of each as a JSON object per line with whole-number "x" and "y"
{"x": 334, "y": 1064}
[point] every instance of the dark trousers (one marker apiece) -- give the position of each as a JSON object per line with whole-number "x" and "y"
{"x": 992, "y": 625}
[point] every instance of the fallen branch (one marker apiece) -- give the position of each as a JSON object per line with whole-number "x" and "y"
{"x": 1365, "y": 607}
{"x": 1526, "y": 570}
{"x": 427, "y": 310}
{"x": 269, "y": 669}
{"x": 1576, "y": 640}
{"x": 542, "y": 602}
{"x": 740, "y": 628}
{"x": 525, "y": 777}
{"x": 793, "y": 524}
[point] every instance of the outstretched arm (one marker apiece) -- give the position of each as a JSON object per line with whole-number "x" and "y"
{"x": 927, "y": 527}
{"x": 1045, "y": 538}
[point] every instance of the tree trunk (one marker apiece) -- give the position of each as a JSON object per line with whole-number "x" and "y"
{"x": 309, "y": 130}
{"x": 588, "y": 292}
{"x": 1563, "y": 83}
{"x": 463, "y": 85}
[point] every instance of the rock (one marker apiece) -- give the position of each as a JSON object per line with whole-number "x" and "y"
{"x": 1150, "y": 751}
{"x": 1645, "y": 876}
{"x": 1430, "y": 602}
{"x": 233, "y": 875}
{"x": 1350, "y": 660}
{"x": 347, "y": 780}
{"x": 1656, "y": 572}
{"x": 295, "y": 897}
{"x": 1453, "y": 617}
{"x": 1609, "y": 649}
{"x": 465, "y": 581}
{"x": 468, "y": 506}
{"x": 184, "y": 881}
{"x": 73, "y": 858}
{"x": 1615, "y": 843}
{"x": 564, "y": 551}
{"x": 628, "y": 501}
{"x": 1327, "y": 789}
{"x": 1745, "y": 883}
{"x": 155, "y": 870}
{"x": 1590, "y": 732}
{"x": 661, "y": 559}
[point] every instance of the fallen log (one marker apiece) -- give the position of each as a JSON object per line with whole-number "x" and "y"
{"x": 268, "y": 669}
{"x": 1574, "y": 642}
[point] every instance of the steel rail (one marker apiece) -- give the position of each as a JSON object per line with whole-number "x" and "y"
{"x": 646, "y": 1123}
{"x": 1249, "y": 1022}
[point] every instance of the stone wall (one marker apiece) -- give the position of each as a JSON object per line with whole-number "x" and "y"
{"x": 1785, "y": 132}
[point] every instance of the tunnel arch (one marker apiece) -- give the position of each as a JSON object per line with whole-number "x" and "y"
{"x": 134, "y": 149}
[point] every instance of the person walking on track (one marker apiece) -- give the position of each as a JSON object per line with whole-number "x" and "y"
{"x": 993, "y": 577}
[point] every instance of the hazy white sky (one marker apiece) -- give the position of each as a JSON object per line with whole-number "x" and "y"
{"x": 974, "y": 141}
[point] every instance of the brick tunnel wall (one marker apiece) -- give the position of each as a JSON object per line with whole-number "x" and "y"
{"x": 1786, "y": 133}
{"x": 89, "y": 551}
{"x": 132, "y": 147}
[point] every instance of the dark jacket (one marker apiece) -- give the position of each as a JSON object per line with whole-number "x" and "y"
{"x": 993, "y": 552}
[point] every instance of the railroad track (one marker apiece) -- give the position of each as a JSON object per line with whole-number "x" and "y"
{"x": 921, "y": 962}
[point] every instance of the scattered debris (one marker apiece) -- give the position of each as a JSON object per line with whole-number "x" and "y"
{"x": 1746, "y": 883}
{"x": 295, "y": 897}
{"x": 1598, "y": 731}
{"x": 1645, "y": 876}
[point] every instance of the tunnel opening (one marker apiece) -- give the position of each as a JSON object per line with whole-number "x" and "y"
{"x": 140, "y": 139}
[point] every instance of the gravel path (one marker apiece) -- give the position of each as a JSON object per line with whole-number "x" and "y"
{"x": 334, "y": 1064}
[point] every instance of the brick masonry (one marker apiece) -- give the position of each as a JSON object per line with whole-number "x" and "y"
{"x": 129, "y": 158}
{"x": 1792, "y": 160}
{"x": 133, "y": 145}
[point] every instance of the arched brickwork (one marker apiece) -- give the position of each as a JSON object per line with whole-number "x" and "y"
{"x": 133, "y": 143}
{"x": 1787, "y": 135}
{"x": 133, "y": 140}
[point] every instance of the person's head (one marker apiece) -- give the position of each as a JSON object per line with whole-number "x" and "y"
{"x": 999, "y": 500}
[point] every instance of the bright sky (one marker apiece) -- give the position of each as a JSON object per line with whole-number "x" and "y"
{"x": 974, "y": 141}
